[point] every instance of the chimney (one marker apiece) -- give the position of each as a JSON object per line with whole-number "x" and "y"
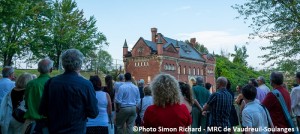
{"x": 159, "y": 46}
{"x": 193, "y": 42}
{"x": 153, "y": 33}
{"x": 125, "y": 48}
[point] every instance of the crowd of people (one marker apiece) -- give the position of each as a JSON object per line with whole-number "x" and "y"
{"x": 70, "y": 103}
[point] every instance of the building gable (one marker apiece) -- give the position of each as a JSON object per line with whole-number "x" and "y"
{"x": 170, "y": 48}
{"x": 140, "y": 48}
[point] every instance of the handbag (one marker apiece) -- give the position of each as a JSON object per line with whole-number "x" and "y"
{"x": 138, "y": 120}
{"x": 19, "y": 112}
{"x": 285, "y": 111}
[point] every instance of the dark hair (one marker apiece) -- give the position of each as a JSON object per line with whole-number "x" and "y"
{"x": 254, "y": 82}
{"x": 186, "y": 91}
{"x": 109, "y": 85}
{"x": 207, "y": 86}
{"x": 96, "y": 81}
{"x": 228, "y": 86}
{"x": 127, "y": 77}
{"x": 249, "y": 92}
{"x": 298, "y": 75}
{"x": 276, "y": 78}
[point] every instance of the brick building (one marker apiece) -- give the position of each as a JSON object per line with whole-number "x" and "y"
{"x": 166, "y": 55}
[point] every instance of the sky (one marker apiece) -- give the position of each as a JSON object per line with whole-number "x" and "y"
{"x": 212, "y": 23}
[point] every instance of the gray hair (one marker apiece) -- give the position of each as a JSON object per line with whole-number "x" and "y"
{"x": 7, "y": 71}
{"x": 72, "y": 60}
{"x": 23, "y": 80}
{"x": 199, "y": 81}
{"x": 45, "y": 65}
{"x": 222, "y": 81}
{"x": 121, "y": 77}
{"x": 276, "y": 78}
{"x": 262, "y": 79}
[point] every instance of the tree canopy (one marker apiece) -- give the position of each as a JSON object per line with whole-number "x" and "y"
{"x": 278, "y": 21}
{"x": 199, "y": 47}
{"x": 240, "y": 55}
{"x": 45, "y": 29}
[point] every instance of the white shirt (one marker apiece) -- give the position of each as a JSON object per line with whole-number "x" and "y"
{"x": 128, "y": 95}
{"x": 102, "y": 118}
{"x": 295, "y": 100}
{"x": 254, "y": 116}
{"x": 265, "y": 88}
{"x": 147, "y": 101}
{"x": 6, "y": 85}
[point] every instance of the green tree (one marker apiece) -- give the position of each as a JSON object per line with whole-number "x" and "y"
{"x": 65, "y": 28}
{"x": 16, "y": 22}
{"x": 199, "y": 47}
{"x": 240, "y": 55}
{"x": 104, "y": 61}
{"x": 276, "y": 20}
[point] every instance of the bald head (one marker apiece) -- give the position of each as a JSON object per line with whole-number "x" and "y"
{"x": 221, "y": 82}
{"x": 45, "y": 66}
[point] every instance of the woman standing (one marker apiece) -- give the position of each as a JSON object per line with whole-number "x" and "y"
{"x": 188, "y": 99}
{"x": 9, "y": 124}
{"x": 167, "y": 112}
{"x": 101, "y": 122}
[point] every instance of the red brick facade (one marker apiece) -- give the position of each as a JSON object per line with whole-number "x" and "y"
{"x": 148, "y": 58}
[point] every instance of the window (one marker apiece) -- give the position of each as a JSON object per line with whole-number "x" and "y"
{"x": 138, "y": 64}
{"x": 198, "y": 71}
{"x": 184, "y": 70}
{"x": 179, "y": 70}
{"x": 149, "y": 79}
{"x": 194, "y": 71}
{"x": 135, "y": 64}
{"x": 189, "y": 70}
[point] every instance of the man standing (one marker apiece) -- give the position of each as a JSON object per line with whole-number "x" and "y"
{"x": 6, "y": 83}
{"x": 261, "y": 94}
{"x": 126, "y": 100}
{"x": 33, "y": 94}
{"x": 261, "y": 83}
{"x": 119, "y": 83}
{"x": 201, "y": 95}
{"x": 219, "y": 105}
{"x": 295, "y": 96}
{"x": 254, "y": 115}
{"x": 68, "y": 99}
{"x": 273, "y": 104}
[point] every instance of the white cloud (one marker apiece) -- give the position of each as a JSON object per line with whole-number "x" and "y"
{"x": 217, "y": 40}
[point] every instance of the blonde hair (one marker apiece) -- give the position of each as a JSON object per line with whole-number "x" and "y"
{"x": 23, "y": 80}
{"x": 165, "y": 89}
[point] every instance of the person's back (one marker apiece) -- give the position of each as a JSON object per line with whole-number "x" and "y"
{"x": 220, "y": 108}
{"x": 201, "y": 94}
{"x": 102, "y": 118}
{"x": 128, "y": 94}
{"x": 67, "y": 110}
{"x": 68, "y": 99}
{"x": 257, "y": 114}
{"x": 261, "y": 94}
{"x": 273, "y": 104}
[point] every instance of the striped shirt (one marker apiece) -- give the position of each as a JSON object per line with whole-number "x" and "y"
{"x": 220, "y": 106}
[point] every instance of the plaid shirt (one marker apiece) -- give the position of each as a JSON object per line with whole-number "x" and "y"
{"x": 220, "y": 105}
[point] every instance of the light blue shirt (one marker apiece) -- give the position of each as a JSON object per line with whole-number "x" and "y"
{"x": 261, "y": 94}
{"x": 6, "y": 85}
{"x": 128, "y": 95}
{"x": 117, "y": 86}
{"x": 254, "y": 116}
{"x": 264, "y": 87}
{"x": 147, "y": 101}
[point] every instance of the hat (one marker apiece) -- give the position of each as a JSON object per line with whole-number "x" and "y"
{"x": 141, "y": 81}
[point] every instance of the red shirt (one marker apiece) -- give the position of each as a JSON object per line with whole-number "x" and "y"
{"x": 274, "y": 107}
{"x": 172, "y": 116}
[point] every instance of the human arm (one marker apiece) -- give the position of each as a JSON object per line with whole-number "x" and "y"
{"x": 43, "y": 108}
{"x": 295, "y": 98}
{"x": 197, "y": 105}
{"x": 109, "y": 107}
{"x": 92, "y": 110}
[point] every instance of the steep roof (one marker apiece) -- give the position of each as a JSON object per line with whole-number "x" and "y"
{"x": 185, "y": 51}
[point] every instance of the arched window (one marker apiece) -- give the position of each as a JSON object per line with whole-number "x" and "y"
{"x": 184, "y": 70}
{"x": 189, "y": 70}
{"x": 194, "y": 71}
{"x": 198, "y": 70}
{"x": 179, "y": 70}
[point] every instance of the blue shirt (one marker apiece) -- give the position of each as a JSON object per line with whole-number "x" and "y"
{"x": 67, "y": 101}
{"x": 220, "y": 106}
{"x": 128, "y": 95}
{"x": 6, "y": 85}
{"x": 117, "y": 86}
